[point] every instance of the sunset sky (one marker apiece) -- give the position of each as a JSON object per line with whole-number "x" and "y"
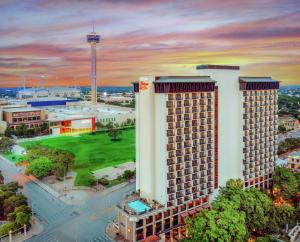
{"x": 141, "y": 37}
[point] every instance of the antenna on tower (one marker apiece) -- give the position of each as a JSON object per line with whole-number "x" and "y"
{"x": 24, "y": 82}
{"x": 93, "y": 27}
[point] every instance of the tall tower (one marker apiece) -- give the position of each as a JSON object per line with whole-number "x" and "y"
{"x": 93, "y": 39}
{"x": 193, "y": 134}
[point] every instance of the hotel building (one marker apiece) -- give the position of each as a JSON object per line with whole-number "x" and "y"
{"x": 193, "y": 133}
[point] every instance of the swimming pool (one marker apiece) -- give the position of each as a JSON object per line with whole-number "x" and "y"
{"x": 138, "y": 206}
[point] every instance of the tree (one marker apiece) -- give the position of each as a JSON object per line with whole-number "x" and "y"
{"x": 12, "y": 202}
{"x": 40, "y": 167}
{"x": 128, "y": 122}
{"x": 5, "y": 228}
{"x": 128, "y": 174}
{"x": 114, "y": 134}
{"x": 284, "y": 214}
{"x": 99, "y": 125}
{"x": 217, "y": 225}
{"x": 282, "y": 129}
{"x": 9, "y": 132}
{"x": 103, "y": 181}
{"x": 59, "y": 170}
{"x": 255, "y": 204}
{"x": 288, "y": 144}
{"x": 285, "y": 182}
{"x": 6, "y": 144}
{"x": 66, "y": 158}
{"x": 110, "y": 125}
{"x": 13, "y": 207}
{"x": 264, "y": 239}
{"x": 22, "y": 219}
{"x": 45, "y": 127}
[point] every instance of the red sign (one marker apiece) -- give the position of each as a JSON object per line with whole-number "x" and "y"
{"x": 143, "y": 86}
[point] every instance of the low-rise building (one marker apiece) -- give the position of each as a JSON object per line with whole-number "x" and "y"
{"x": 29, "y": 116}
{"x": 294, "y": 161}
{"x": 71, "y": 124}
{"x": 290, "y": 123}
{"x": 65, "y": 92}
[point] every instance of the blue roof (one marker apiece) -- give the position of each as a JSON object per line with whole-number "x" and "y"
{"x": 50, "y": 102}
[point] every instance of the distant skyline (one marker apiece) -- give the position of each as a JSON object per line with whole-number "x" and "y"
{"x": 146, "y": 38}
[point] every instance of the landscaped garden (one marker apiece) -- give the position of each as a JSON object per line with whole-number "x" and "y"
{"x": 92, "y": 151}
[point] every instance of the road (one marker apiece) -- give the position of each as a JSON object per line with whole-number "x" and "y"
{"x": 67, "y": 223}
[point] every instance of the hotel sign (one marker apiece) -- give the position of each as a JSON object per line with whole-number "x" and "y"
{"x": 143, "y": 86}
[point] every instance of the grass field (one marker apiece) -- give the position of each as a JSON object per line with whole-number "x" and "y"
{"x": 11, "y": 156}
{"x": 93, "y": 151}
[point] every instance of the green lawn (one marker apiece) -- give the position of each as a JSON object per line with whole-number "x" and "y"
{"x": 11, "y": 156}
{"x": 93, "y": 151}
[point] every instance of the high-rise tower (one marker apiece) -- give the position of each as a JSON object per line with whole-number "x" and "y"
{"x": 93, "y": 39}
{"x": 193, "y": 134}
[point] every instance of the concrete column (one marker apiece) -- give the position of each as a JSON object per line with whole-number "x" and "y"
{"x": 25, "y": 230}
{"x": 134, "y": 232}
{"x": 126, "y": 233}
{"x": 10, "y": 236}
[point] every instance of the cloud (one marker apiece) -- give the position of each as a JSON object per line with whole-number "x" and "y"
{"x": 149, "y": 37}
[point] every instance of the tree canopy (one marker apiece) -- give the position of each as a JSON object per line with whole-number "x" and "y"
{"x": 212, "y": 225}
{"x": 40, "y": 167}
{"x": 13, "y": 208}
{"x": 285, "y": 182}
{"x": 62, "y": 160}
{"x": 6, "y": 144}
{"x": 236, "y": 212}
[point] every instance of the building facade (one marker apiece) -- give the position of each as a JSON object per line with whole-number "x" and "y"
{"x": 290, "y": 123}
{"x": 31, "y": 117}
{"x": 193, "y": 133}
{"x": 294, "y": 161}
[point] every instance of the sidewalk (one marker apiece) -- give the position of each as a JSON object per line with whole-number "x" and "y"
{"x": 35, "y": 229}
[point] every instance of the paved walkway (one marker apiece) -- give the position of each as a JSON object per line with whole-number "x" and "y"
{"x": 113, "y": 172}
{"x": 35, "y": 229}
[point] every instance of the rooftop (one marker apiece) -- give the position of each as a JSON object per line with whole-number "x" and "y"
{"x": 168, "y": 79}
{"x": 256, "y": 79}
{"x": 217, "y": 67}
{"x": 21, "y": 109}
{"x": 295, "y": 154}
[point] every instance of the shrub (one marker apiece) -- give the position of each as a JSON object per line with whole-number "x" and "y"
{"x": 40, "y": 167}
{"x": 5, "y": 228}
{"x": 103, "y": 181}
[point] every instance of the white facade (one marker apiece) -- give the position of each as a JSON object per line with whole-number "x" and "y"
{"x": 230, "y": 126}
{"x": 63, "y": 92}
{"x": 151, "y": 152}
{"x": 193, "y": 134}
